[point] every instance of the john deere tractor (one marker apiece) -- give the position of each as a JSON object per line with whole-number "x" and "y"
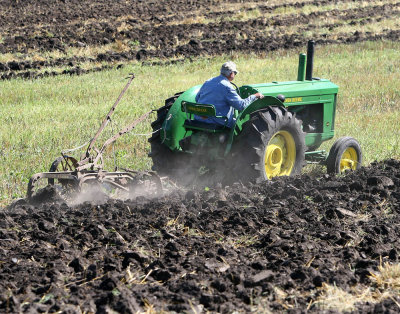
{"x": 273, "y": 136}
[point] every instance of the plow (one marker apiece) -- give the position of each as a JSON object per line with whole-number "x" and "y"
{"x": 71, "y": 176}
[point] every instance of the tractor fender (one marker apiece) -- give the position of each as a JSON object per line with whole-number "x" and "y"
{"x": 267, "y": 101}
{"x": 244, "y": 116}
{"x": 173, "y": 130}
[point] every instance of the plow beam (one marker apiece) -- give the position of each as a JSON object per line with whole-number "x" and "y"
{"x": 129, "y": 182}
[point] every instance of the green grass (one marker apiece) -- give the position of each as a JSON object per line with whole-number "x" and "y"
{"x": 42, "y": 117}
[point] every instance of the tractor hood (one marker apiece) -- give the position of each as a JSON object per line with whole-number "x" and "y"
{"x": 294, "y": 91}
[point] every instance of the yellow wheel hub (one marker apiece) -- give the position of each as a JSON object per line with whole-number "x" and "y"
{"x": 349, "y": 159}
{"x": 280, "y": 155}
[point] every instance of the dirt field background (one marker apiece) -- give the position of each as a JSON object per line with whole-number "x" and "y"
{"x": 42, "y": 38}
{"x": 291, "y": 245}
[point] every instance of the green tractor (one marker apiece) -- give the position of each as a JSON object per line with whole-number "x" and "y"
{"x": 274, "y": 136}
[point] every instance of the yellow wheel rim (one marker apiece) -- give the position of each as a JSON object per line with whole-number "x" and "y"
{"x": 280, "y": 155}
{"x": 349, "y": 159}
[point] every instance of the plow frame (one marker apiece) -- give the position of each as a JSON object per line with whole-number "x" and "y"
{"x": 89, "y": 170}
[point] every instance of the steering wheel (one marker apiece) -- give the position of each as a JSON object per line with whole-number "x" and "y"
{"x": 236, "y": 88}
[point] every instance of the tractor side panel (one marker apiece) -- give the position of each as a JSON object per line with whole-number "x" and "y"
{"x": 317, "y": 114}
{"x": 173, "y": 130}
{"x": 259, "y": 104}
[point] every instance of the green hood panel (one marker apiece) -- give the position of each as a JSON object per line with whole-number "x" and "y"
{"x": 292, "y": 89}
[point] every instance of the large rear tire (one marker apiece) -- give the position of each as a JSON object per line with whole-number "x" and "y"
{"x": 271, "y": 144}
{"x": 345, "y": 154}
{"x": 164, "y": 160}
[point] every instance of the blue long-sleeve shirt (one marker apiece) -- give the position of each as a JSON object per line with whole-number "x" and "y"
{"x": 218, "y": 91}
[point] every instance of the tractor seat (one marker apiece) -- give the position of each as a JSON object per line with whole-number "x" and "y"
{"x": 205, "y": 110}
{"x": 198, "y": 125}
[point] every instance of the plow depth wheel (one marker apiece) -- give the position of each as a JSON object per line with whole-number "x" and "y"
{"x": 345, "y": 154}
{"x": 280, "y": 155}
{"x": 65, "y": 188}
{"x": 63, "y": 164}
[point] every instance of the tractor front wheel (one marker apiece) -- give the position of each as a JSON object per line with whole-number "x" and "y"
{"x": 271, "y": 144}
{"x": 345, "y": 154}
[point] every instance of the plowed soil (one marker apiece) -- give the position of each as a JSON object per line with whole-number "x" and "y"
{"x": 56, "y": 37}
{"x": 266, "y": 247}
{"x": 271, "y": 247}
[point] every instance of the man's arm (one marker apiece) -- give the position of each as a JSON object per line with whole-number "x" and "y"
{"x": 236, "y": 101}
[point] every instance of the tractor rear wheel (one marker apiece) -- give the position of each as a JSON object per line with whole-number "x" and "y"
{"x": 345, "y": 154}
{"x": 271, "y": 144}
{"x": 164, "y": 160}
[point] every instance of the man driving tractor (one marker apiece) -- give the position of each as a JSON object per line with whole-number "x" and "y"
{"x": 219, "y": 92}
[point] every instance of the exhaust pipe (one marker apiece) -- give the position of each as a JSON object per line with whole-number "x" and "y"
{"x": 301, "y": 74}
{"x": 310, "y": 60}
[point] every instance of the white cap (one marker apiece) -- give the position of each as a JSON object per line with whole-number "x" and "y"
{"x": 229, "y": 67}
